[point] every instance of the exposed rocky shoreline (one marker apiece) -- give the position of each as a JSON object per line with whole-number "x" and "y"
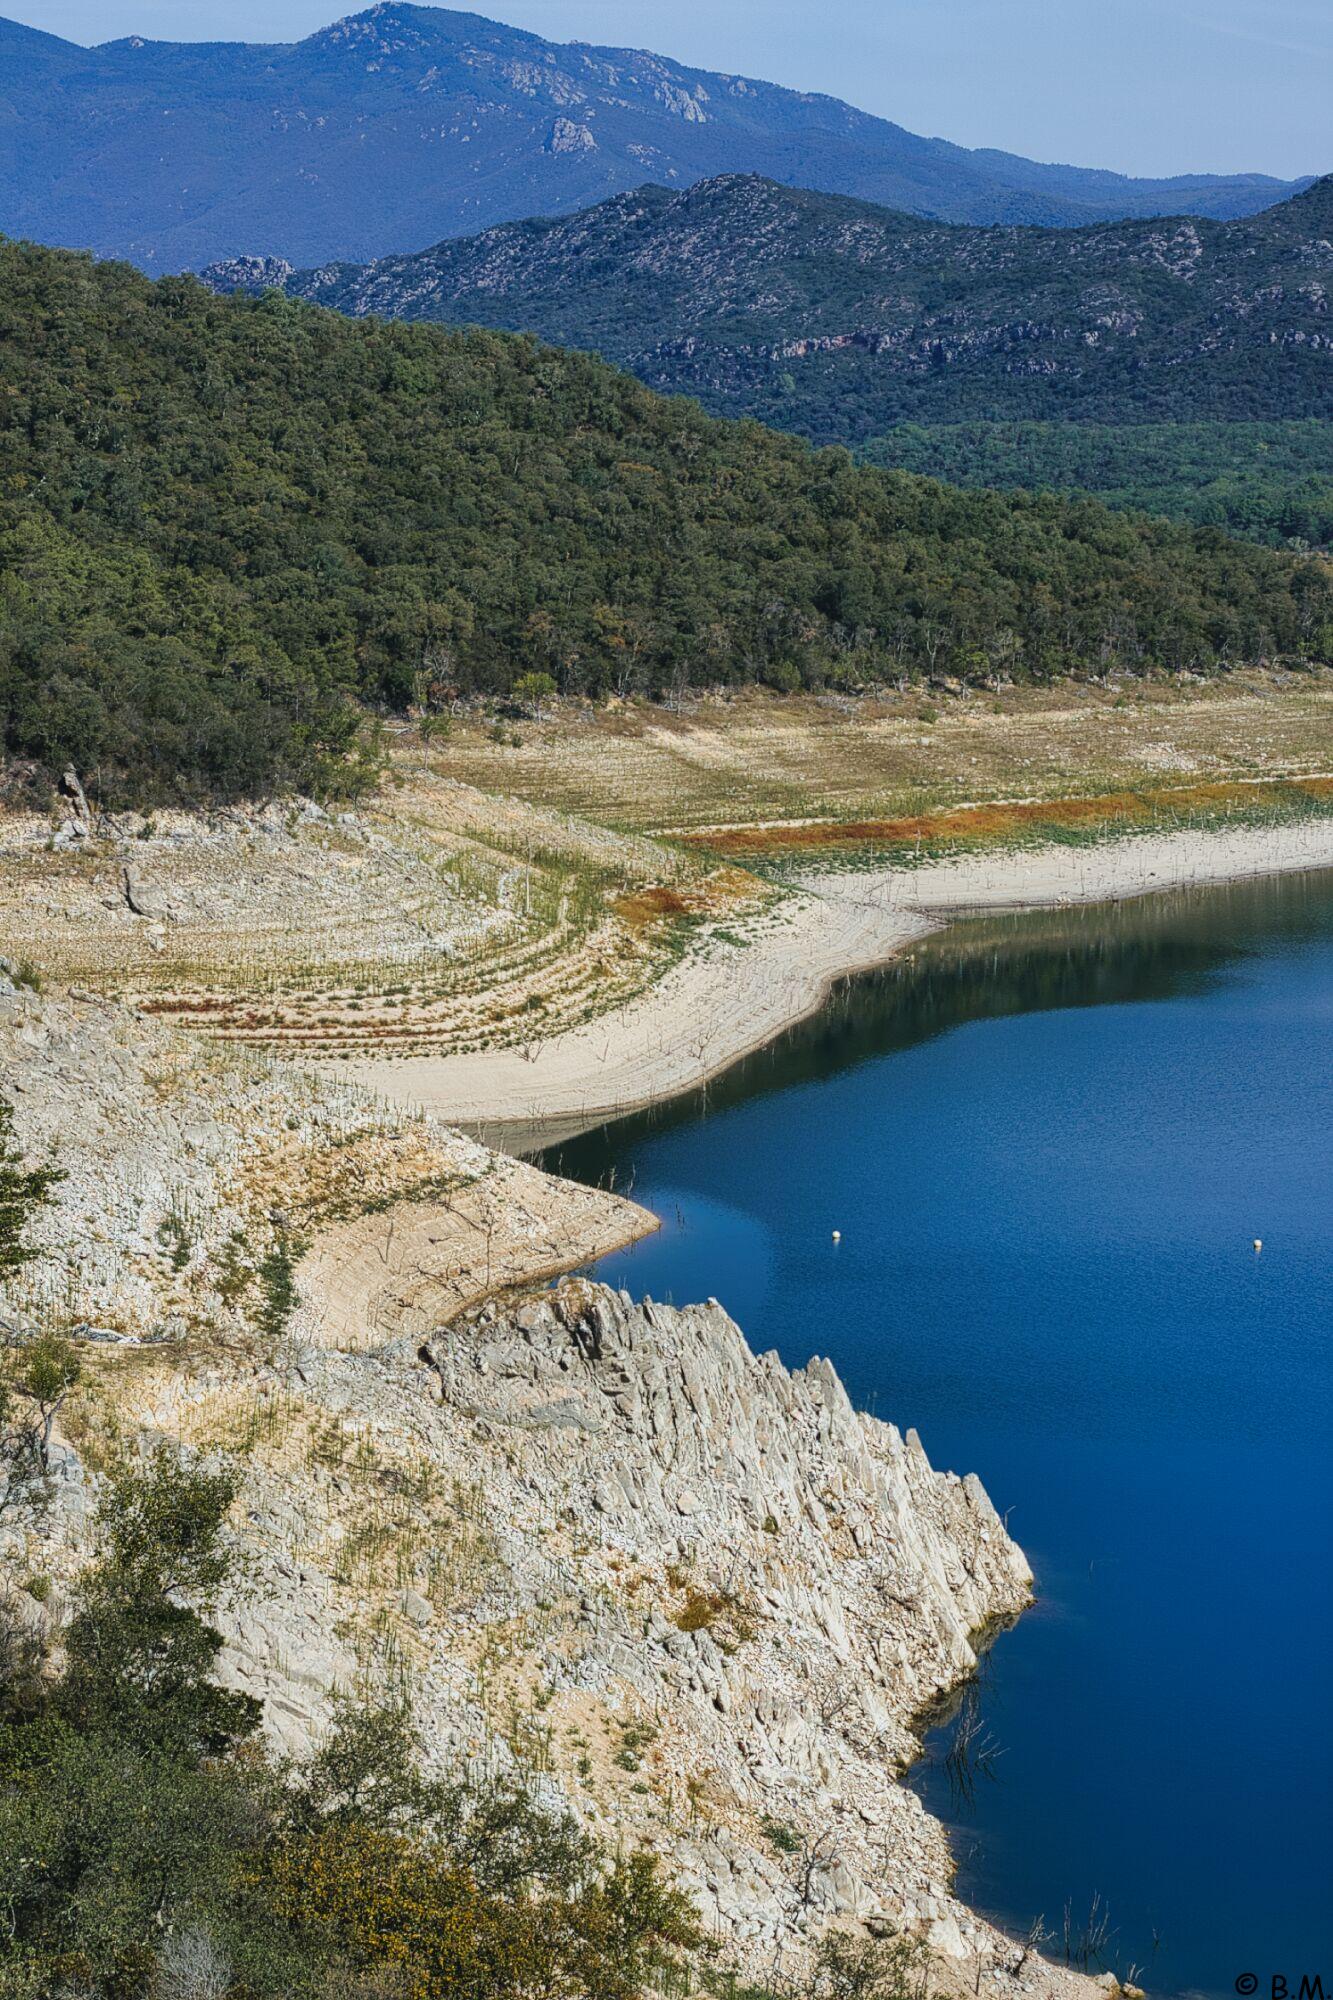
{"x": 601, "y": 1543}
{"x": 697, "y": 1595}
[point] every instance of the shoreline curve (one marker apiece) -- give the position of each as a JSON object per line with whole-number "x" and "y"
{"x": 714, "y": 1009}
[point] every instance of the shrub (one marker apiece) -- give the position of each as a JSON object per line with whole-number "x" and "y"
{"x": 23, "y": 1190}
{"x": 849, "y": 1968}
{"x": 279, "y": 1297}
{"x": 781, "y": 1836}
{"x": 148, "y": 1847}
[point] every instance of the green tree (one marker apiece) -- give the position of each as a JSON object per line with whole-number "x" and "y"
{"x": 368, "y": 1768}
{"x": 533, "y": 690}
{"x": 140, "y": 1651}
{"x": 114, "y": 1807}
{"x": 279, "y": 1296}
{"x": 33, "y": 1390}
{"x": 23, "y": 1191}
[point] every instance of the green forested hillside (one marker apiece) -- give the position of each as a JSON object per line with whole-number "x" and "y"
{"x": 1177, "y": 365}
{"x": 226, "y": 524}
{"x": 838, "y": 319}
{"x": 1272, "y": 482}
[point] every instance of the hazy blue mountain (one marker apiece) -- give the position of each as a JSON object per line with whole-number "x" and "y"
{"x": 826, "y": 315}
{"x": 405, "y": 124}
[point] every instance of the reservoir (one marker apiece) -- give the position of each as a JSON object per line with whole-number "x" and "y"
{"x": 1048, "y": 1143}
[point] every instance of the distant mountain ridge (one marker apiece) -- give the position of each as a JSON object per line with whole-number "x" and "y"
{"x": 405, "y": 124}
{"x": 828, "y": 316}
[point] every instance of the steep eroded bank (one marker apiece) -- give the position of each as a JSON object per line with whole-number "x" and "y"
{"x": 602, "y": 1544}
{"x": 607, "y": 1546}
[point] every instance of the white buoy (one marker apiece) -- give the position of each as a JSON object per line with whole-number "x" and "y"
{"x": 1258, "y": 1245}
{"x": 837, "y": 1237}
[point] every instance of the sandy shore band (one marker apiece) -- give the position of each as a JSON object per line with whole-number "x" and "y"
{"x": 730, "y": 999}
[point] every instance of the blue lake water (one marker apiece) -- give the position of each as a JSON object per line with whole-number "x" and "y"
{"x": 1049, "y": 1143}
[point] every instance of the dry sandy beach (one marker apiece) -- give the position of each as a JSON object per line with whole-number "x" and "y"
{"x": 722, "y": 1003}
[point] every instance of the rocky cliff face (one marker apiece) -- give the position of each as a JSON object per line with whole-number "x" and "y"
{"x": 830, "y": 316}
{"x": 602, "y": 1544}
{"x": 613, "y": 1549}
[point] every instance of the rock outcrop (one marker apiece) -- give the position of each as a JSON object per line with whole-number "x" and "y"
{"x": 181, "y": 1157}
{"x": 603, "y": 1544}
{"x": 611, "y": 1548}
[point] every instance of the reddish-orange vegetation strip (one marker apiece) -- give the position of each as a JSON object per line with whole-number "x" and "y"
{"x": 709, "y": 898}
{"x": 994, "y": 822}
{"x": 647, "y": 906}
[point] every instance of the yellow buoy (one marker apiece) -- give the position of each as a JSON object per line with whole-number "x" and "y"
{"x": 1258, "y": 1244}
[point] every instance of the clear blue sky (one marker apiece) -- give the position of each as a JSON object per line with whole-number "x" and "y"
{"x": 1145, "y": 86}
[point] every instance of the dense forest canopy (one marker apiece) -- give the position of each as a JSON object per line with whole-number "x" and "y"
{"x": 1272, "y": 482}
{"x": 1176, "y": 365}
{"x": 227, "y": 524}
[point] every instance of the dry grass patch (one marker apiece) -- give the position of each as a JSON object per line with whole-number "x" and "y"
{"x": 723, "y": 893}
{"x": 756, "y": 758}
